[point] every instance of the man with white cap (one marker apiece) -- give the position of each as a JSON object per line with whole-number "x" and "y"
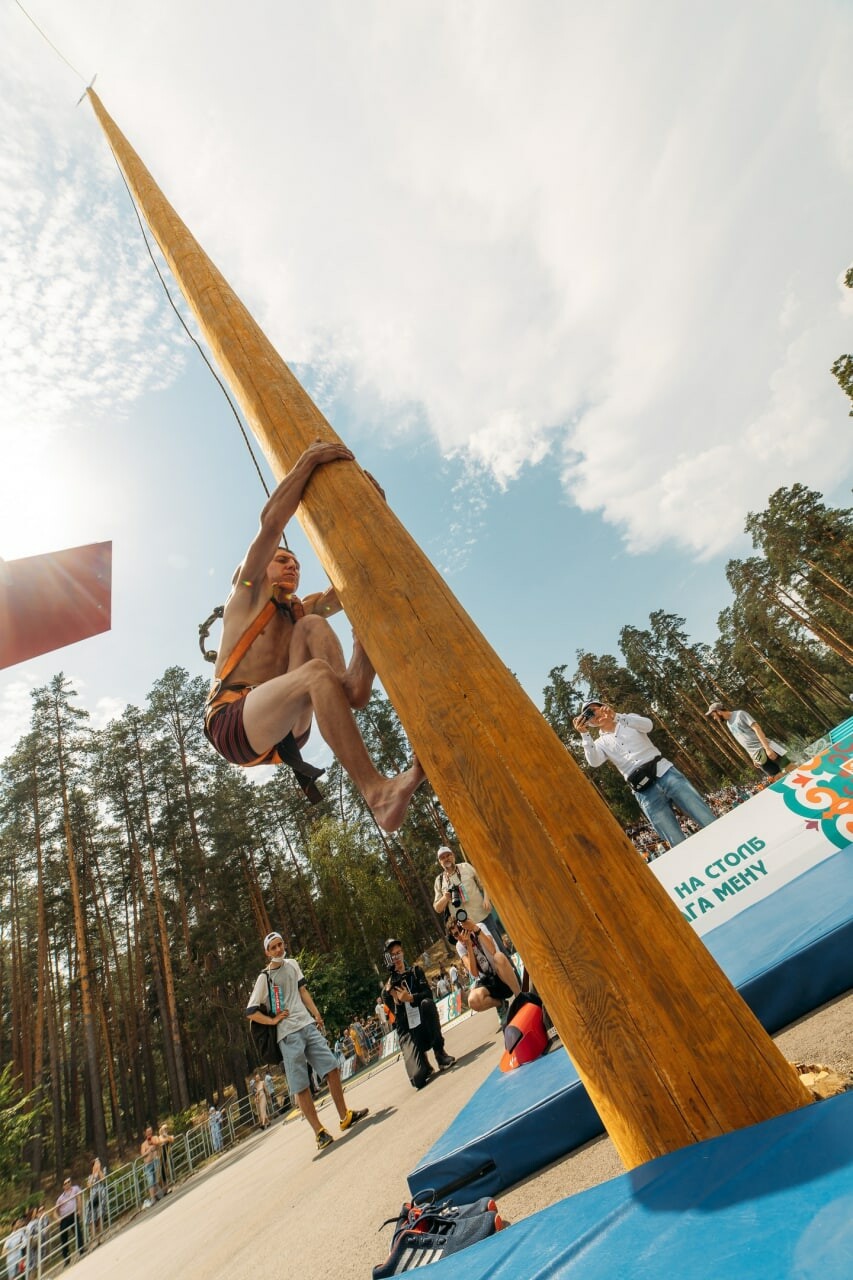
{"x": 623, "y": 739}
{"x": 280, "y": 998}
{"x": 457, "y": 886}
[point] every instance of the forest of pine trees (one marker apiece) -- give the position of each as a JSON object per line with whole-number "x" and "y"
{"x": 138, "y": 871}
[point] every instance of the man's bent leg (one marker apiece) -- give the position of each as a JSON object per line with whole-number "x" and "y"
{"x": 658, "y": 810}
{"x": 506, "y": 972}
{"x": 272, "y": 709}
{"x": 496, "y": 929}
{"x": 314, "y": 638}
{"x": 431, "y": 1027}
{"x": 479, "y": 1000}
{"x": 683, "y": 793}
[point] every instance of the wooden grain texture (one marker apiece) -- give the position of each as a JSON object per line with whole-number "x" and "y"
{"x": 668, "y": 1051}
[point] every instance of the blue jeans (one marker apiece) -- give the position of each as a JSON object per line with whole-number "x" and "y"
{"x": 657, "y": 799}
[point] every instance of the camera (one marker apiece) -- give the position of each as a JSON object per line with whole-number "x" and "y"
{"x": 459, "y": 912}
{"x": 588, "y": 713}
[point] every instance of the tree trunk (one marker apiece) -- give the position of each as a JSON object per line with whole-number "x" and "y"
{"x": 90, "y": 1041}
{"x": 173, "y": 1022}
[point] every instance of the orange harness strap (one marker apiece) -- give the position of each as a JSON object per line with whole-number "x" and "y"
{"x": 245, "y": 642}
{"x": 286, "y": 752}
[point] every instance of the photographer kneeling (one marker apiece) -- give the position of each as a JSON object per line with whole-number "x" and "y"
{"x": 494, "y": 980}
{"x": 416, "y": 1022}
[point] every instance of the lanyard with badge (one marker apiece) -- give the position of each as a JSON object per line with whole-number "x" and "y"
{"x": 413, "y": 1014}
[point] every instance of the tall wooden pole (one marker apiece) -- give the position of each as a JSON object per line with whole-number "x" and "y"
{"x": 668, "y": 1051}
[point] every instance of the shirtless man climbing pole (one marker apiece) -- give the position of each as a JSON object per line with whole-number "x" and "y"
{"x": 280, "y": 664}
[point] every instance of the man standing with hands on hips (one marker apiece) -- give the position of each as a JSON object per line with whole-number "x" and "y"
{"x": 280, "y": 998}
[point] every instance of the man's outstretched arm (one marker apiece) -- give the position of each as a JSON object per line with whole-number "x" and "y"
{"x": 281, "y": 506}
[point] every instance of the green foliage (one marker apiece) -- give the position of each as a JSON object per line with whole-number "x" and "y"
{"x": 783, "y": 650}
{"x": 183, "y": 863}
{"x": 183, "y": 1121}
{"x": 341, "y": 986}
{"x": 20, "y": 1114}
{"x": 842, "y": 369}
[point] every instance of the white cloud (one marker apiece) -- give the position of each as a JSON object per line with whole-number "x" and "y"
{"x": 15, "y": 712}
{"x": 602, "y": 239}
{"x": 105, "y": 710}
{"x": 84, "y": 330}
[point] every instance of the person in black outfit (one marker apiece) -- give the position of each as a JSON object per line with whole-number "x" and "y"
{"x": 416, "y": 1017}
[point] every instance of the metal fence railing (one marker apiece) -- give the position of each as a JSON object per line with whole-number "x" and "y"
{"x": 126, "y": 1190}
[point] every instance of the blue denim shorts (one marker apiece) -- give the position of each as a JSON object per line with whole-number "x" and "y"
{"x": 298, "y": 1049}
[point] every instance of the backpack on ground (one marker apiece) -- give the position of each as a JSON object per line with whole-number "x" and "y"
{"x": 425, "y": 1231}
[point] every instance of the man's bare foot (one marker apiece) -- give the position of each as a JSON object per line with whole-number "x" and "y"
{"x": 392, "y": 797}
{"x": 357, "y": 680}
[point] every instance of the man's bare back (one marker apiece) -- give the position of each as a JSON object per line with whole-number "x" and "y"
{"x": 293, "y": 668}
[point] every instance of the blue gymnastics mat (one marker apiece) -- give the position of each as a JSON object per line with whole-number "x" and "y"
{"x": 771, "y": 1202}
{"x": 787, "y": 954}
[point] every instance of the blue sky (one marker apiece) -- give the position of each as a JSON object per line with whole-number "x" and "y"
{"x": 567, "y": 279}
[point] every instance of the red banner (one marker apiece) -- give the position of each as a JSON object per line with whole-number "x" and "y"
{"x": 49, "y": 601}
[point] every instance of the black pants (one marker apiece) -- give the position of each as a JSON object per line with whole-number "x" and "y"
{"x": 69, "y": 1228}
{"x": 415, "y": 1043}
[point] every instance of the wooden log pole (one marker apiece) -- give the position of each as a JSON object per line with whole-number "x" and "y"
{"x": 668, "y": 1051}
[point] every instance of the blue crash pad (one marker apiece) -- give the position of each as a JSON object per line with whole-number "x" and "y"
{"x": 771, "y": 1202}
{"x": 787, "y": 954}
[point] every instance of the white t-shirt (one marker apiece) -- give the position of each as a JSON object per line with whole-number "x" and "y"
{"x": 482, "y": 956}
{"x": 16, "y": 1245}
{"x": 740, "y": 727}
{"x": 285, "y": 979}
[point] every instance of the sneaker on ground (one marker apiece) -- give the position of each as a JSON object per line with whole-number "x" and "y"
{"x": 324, "y": 1140}
{"x": 353, "y": 1117}
{"x": 445, "y": 1061}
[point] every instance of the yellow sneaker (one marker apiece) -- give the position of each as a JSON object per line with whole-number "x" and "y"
{"x": 353, "y": 1117}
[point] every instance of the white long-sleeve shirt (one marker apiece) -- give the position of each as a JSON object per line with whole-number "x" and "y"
{"x": 626, "y": 746}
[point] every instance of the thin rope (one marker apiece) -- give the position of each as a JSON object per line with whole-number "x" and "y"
{"x": 187, "y": 330}
{"x": 183, "y": 323}
{"x": 47, "y": 38}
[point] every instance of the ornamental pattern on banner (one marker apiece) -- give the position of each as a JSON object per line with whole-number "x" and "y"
{"x": 821, "y": 792}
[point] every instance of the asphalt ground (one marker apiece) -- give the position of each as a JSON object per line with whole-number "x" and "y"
{"x": 274, "y": 1206}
